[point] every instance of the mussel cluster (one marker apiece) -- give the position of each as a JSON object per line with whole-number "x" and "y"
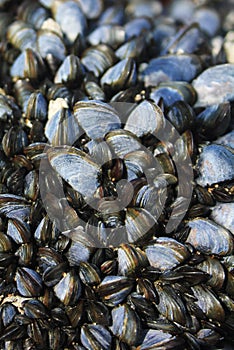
{"x": 116, "y": 174}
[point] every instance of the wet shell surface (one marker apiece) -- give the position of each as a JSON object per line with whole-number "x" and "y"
{"x": 116, "y": 175}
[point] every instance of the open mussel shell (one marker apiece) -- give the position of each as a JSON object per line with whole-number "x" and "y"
{"x": 68, "y": 289}
{"x": 96, "y": 118}
{"x": 158, "y": 339}
{"x": 28, "y": 282}
{"x": 96, "y": 337}
{"x": 209, "y": 237}
{"x": 171, "y": 67}
{"x": 122, "y": 75}
{"x": 215, "y": 165}
{"x": 77, "y": 22}
{"x": 75, "y": 167}
{"x": 215, "y": 85}
{"x": 114, "y": 289}
{"x": 126, "y": 324}
{"x": 146, "y": 118}
{"x": 208, "y": 303}
{"x": 166, "y": 253}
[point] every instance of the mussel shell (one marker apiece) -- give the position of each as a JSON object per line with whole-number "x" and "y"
{"x": 34, "y": 308}
{"x": 166, "y": 253}
{"x": 8, "y": 312}
{"x": 131, "y": 49}
{"x": 21, "y": 35}
{"x": 92, "y": 9}
{"x": 215, "y": 85}
{"x": 110, "y": 34}
{"x": 137, "y": 26}
{"x": 215, "y": 165}
{"x": 126, "y": 324}
{"x": 25, "y": 253}
{"x": 123, "y": 142}
{"x": 98, "y": 59}
{"x": 146, "y": 118}
{"x": 223, "y": 214}
{"x": 5, "y": 243}
{"x": 95, "y": 337}
{"x": 216, "y": 271}
{"x": 209, "y": 303}
{"x": 122, "y": 75}
{"x": 77, "y": 168}
{"x": 29, "y": 65}
{"x": 71, "y": 10}
{"x": 210, "y": 238}
{"x": 214, "y": 120}
{"x": 28, "y": 281}
{"x": 96, "y": 118}
{"x": 61, "y": 127}
{"x": 140, "y": 223}
{"x": 171, "y": 304}
{"x": 114, "y": 289}
{"x": 14, "y": 141}
{"x": 172, "y": 92}
{"x": 181, "y": 115}
{"x": 70, "y": 72}
{"x": 49, "y": 44}
{"x": 170, "y": 68}
{"x": 36, "y": 107}
{"x": 157, "y": 339}
{"x": 68, "y": 289}
{"x": 32, "y": 13}
{"x": 89, "y": 274}
{"x": 130, "y": 259}
{"x": 19, "y": 231}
